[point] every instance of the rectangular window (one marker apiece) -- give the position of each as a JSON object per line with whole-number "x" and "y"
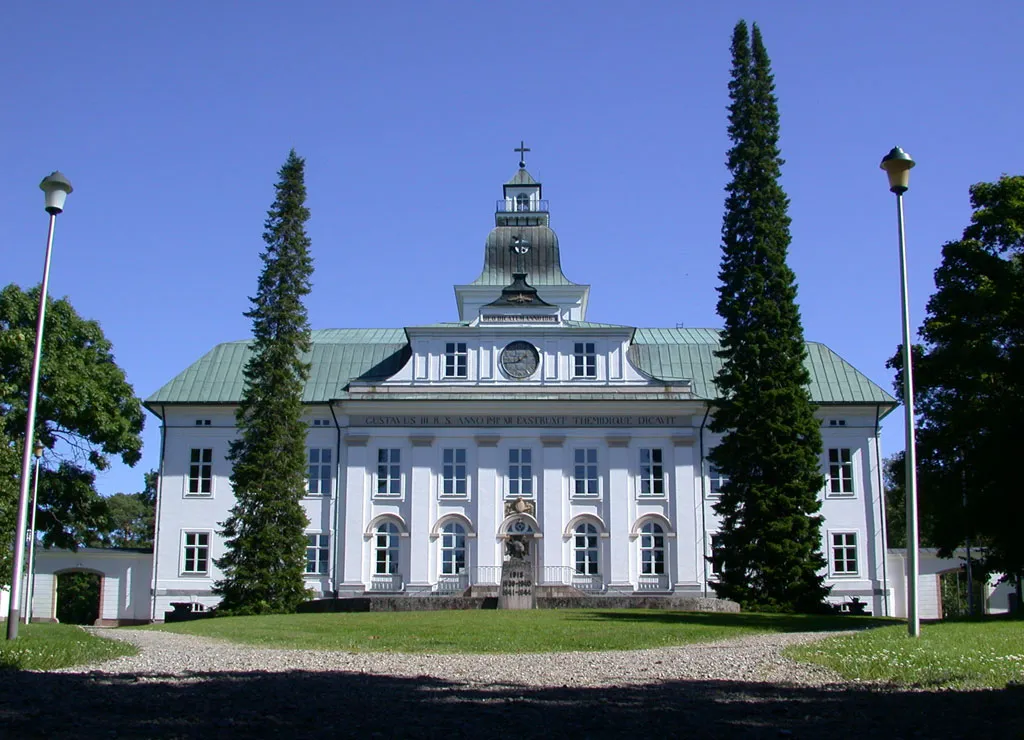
{"x": 716, "y": 479}
{"x": 456, "y": 360}
{"x": 200, "y": 471}
{"x": 318, "y": 548}
{"x": 584, "y": 360}
{"x": 652, "y": 472}
{"x": 453, "y": 472}
{"x": 195, "y": 554}
{"x": 717, "y": 555}
{"x": 520, "y": 472}
{"x": 584, "y": 478}
{"x": 318, "y": 475}
{"x": 840, "y": 472}
{"x": 389, "y": 472}
{"x": 321, "y": 423}
{"x": 844, "y": 553}
{"x": 203, "y": 422}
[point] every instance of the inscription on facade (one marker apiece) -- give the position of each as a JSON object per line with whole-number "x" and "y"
{"x": 517, "y": 319}
{"x": 518, "y": 420}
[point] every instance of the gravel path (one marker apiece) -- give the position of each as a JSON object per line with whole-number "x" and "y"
{"x": 188, "y": 687}
{"x": 752, "y": 658}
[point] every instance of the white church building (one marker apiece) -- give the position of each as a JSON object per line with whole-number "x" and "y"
{"x": 429, "y": 446}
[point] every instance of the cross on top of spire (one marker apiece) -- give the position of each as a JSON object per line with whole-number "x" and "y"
{"x": 522, "y": 149}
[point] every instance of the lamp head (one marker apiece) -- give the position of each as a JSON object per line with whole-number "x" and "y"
{"x": 897, "y": 164}
{"x": 56, "y": 187}
{"x": 37, "y": 450}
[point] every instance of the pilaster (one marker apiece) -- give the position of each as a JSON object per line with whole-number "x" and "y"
{"x": 488, "y": 501}
{"x": 551, "y": 500}
{"x": 618, "y": 513}
{"x": 353, "y": 516}
{"x": 420, "y": 500}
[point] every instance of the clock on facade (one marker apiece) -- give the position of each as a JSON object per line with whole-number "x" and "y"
{"x": 519, "y": 360}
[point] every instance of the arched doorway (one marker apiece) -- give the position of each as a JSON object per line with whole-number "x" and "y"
{"x": 78, "y": 596}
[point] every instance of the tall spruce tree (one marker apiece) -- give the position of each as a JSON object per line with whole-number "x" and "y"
{"x": 264, "y": 562}
{"x": 770, "y": 532}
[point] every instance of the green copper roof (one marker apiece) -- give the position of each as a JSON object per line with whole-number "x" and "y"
{"x": 542, "y": 264}
{"x": 688, "y": 354}
{"x": 340, "y": 356}
{"x": 522, "y": 177}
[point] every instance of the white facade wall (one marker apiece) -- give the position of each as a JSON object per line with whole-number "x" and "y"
{"x": 353, "y": 510}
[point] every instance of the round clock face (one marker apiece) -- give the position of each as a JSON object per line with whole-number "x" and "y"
{"x": 519, "y": 360}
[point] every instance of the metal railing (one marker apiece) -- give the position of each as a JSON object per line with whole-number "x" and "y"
{"x": 509, "y": 205}
{"x": 488, "y": 575}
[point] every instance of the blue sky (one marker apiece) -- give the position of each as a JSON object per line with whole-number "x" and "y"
{"x": 171, "y": 120}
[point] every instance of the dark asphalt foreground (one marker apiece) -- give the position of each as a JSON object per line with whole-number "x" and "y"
{"x": 302, "y": 703}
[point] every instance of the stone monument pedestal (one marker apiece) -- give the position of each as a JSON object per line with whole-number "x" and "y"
{"x": 517, "y": 587}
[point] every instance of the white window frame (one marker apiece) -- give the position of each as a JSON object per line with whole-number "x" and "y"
{"x": 200, "y": 465}
{"x": 453, "y": 541}
{"x": 651, "y": 474}
{"x": 197, "y": 545}
{"x": 584, "y": 360}
{"x": 586, "y": 542}
{"x": 716, "y": 479}
{"x": 320, "y": 545}
{"x": 386, "y": 540}
{"x": 844, "y": 545}
{"x": 454, "y": 471}
{"x": 834, "y": 473}
{"x": 653, "y": 540}
{"x": 389, "y": 461}
{"x": 589, "y": 464}
{"x": 520, "y": 481}
{"x": 319, "y": 466}
{"x": 456, "y": 360}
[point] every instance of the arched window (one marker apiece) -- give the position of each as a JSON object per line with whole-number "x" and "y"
{"x": 584, "y": 546}
{"x": 652, "y": 549}
{"x": 386, "y": 550}
{"x": 522, "y": 202}
{"x": 453, "y": 549}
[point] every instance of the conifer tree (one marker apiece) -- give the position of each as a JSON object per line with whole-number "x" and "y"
{"x": 770, "y": 532}
{"x": 264, "y": 561}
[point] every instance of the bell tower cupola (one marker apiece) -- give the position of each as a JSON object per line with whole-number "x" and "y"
{"x": 523, "y": 203}
{"x": 522, "y": 264}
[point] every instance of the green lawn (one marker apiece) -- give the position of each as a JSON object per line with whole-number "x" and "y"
{"x": 537, "y": 631}
{"x": 947, "y": 655}
{"x": 44, "y": 647}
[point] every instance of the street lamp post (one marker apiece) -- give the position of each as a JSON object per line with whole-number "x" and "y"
{"x": 897, "y": 164}
{"x": 56, "y": 187}
{"x": 30, "y": 578}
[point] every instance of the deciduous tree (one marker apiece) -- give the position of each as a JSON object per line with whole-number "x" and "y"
{"x": 86, "y": 413}
{"x": 969, "y": 383}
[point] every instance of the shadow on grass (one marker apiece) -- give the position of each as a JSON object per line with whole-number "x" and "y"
{"x": 333, "y": 704}
{"x": 761, "y": 622}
